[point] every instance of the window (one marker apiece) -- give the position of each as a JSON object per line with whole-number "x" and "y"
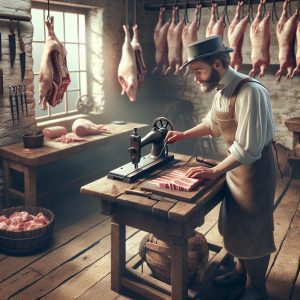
{"x": 74, "y": 40}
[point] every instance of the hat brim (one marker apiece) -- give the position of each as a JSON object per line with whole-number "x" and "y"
{"x": 227, "y": 50}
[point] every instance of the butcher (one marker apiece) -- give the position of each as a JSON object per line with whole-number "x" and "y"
{"x": 241, "y": 112}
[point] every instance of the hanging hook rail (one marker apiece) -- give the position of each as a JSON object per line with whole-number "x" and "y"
{"x": 204, "y": 3}
{"x": 15, "y": 17}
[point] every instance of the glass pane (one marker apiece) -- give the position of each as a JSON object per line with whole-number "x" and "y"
{"x": 72, "y": 31}
{"x": 74, "y": 85}
{"x": 72, "y": 100}
{"x": 60, "y": 108}
{"x": 37, "y": 51}
{"x": 83, "y": 83}
{"x": 37, "y": 21}
{"x": 81, "y": 28}
{"x": 72, "y": 57}
{"x": 58, "y": 24}
{"x": 82, "y": 56}
{"x": 38, "y": 111}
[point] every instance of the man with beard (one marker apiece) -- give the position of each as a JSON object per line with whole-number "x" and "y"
{"x": 241, "y": 112}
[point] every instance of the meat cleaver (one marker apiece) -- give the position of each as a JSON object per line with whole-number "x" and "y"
{"x": 12, "y": 43}
{"x": 22, "y": 53}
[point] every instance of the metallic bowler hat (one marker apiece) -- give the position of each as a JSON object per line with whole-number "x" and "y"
{"x": 207, "y": 47}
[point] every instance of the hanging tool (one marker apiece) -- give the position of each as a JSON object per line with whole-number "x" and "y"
{"x": 11, "y": 90}
{"x": 25, "y": 98}
{"x": 0, "y": 47}
{"x": 17, "y": 102}
{"x": 21, "y": 97}
{"x": 12, "y": 43}
{"x": 22, "y": 53}
{"x": 1, "y": 82}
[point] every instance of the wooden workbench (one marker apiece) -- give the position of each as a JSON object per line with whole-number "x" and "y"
{"x": 171, "y": 221}
{"x": 15, "y": 157}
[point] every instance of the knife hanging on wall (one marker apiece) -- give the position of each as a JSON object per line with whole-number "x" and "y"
{"x": 12, "y": 43}
{"x": 17, "y": 103}
{"x": 0, "y": 47}
{"x": 22, "y": 53}
{"x": 21, "y": 97}
{"x": 11, "y": 90}
{"x": 1, "y": 72}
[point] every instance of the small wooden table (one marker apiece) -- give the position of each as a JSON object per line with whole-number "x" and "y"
{"x": 15, "y": 157}
{"x": 171, "y": 221}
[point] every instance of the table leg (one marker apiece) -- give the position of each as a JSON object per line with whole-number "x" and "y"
{"x": 118, "y": 249}
{"x": 30, "y": 186}
{"x": 7, "y": 182}
{"x": 179, "y": 270}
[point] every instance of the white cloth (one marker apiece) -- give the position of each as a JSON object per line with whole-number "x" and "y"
{"x": 253, "y": 113}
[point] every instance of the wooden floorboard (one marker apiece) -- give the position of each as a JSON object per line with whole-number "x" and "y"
{"x": 77, "y": 264}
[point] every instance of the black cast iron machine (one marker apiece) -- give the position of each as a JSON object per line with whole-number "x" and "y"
{"x": 141, "y": 165}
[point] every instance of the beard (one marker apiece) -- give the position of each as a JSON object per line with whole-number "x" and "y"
{"x": 212, "y": 82}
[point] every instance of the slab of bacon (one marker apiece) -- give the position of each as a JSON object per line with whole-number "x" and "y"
{"x": 260, "y": 42}
{"x": 174, "y": 43}
{"x": 140, "y": 63}
{"x": 236, "y": 32}
{"x": 160, "y": 42}
{"x": 176, "y": 180}
{"x": 286, "y": 35}
{"x": 54, "y": 132}
{"x": 297, "y": 69}
{"x": 83, "y": 127}
{"x": 215, "y": 26}
{"x": 189, "y": 35}
{"x": 23, "y": 221}
{"x": 54, "y": 76}
{"x": 127, "y": 70}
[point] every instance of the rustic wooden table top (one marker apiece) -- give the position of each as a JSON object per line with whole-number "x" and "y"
{"x": 112, "y": 191}
{"x": 52, "y": 150}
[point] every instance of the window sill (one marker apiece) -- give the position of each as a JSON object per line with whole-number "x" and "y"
{"x": 69, "y": 120}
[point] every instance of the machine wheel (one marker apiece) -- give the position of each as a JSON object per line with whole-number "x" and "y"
{"x": 163, "y": 122}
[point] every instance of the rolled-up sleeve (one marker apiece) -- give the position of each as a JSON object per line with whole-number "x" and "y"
{"x": 211, "y": 123}
{"x": 251, "y": 114}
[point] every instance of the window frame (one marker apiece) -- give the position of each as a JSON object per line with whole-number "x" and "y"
{"x": 79, "y": 10}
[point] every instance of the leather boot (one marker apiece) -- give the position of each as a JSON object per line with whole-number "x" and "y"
{"x": 230, "y": 279}
{"x": 253, "y": 294}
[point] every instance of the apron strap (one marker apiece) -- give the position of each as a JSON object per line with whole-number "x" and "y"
{"x": 276, "y": 151}
{"x": 236, "y": 91}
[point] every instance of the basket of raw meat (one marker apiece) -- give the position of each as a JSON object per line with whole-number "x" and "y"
{"x": 25, "y": 230}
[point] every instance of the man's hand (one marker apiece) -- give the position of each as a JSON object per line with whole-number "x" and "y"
{"x": 174, "y": 136}
{"x": 202, "y": 172}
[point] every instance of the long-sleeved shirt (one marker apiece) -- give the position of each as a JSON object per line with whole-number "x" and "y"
{"x": 253, "y": 113}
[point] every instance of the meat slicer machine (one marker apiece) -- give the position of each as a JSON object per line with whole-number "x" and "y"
{"x": 140, "y": 166}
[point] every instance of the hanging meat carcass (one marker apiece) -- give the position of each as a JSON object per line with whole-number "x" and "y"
{"x": 260, "y": 42}
{"x": 297, "y": 69}
{"x": 286, "y": 34}
{"x": 127, "y": 71}
{"x": 174, "y": 43}
{"x": 189, "y": 35}
{"x": 235, "y": 34}
{"x": 140, "y": 63}
{"x": 160, "y": 42}
{"x": 215, "y": 26}
{"x": 54, "y": 77}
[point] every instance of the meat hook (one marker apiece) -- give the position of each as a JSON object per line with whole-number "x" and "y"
{"x": 290, "y": 9}
{"x": 199, "y": 18}
{"x": 186, "y": 16}
{"x": 226, "y": 14}
{"x": 48, "y": 7}
{"x": 274, "y": 11}
{"x": 264, "y": 7}
{"x": 250, "y": 10}
{"x": 212, "y": 2}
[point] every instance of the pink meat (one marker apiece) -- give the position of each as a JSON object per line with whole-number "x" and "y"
{"x": 54, "y": 76}
{"x": 215, "y": 26}
{"x": 127, "y": 70}
{"x": 160, "y": 42}
{"x": 297, "y": 69}
{"x": 174, "y": 43}
{"x": 236, "y": 32}
{"x": 83, "y": 127}
{"x": 176, "y": 180}
{"x": 70, "y": 138}
{"x": 286, "y": 35}
{"x": 140, "y": 63}
{"x": 189, "y": 35}
{"x": 54, "y": 132}
{"x": 21, "y": 216}
{"x": 260, "y": 42}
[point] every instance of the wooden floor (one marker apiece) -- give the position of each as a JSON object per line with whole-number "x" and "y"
{"x": 77, "y": 265}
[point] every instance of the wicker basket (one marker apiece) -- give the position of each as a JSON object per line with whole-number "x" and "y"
{"x": 26, "y": 242}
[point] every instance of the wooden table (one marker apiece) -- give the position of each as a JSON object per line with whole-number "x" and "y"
{"x": 15, "y": 157}
{"x": 171, "y": 221}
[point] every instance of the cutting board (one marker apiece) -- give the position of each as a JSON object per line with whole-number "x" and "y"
{"x": 178, "y": 195}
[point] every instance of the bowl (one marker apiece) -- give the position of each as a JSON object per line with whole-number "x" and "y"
{"x": 33, "y": 141}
